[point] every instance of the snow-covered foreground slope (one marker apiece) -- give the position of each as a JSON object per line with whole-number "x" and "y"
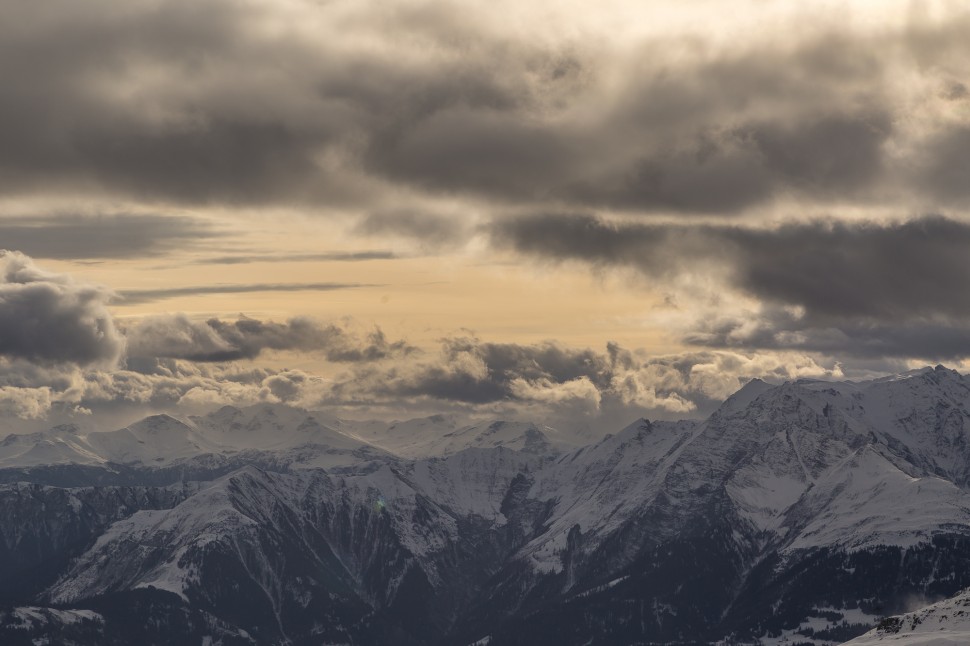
{"x": 946, "y": 623}
{"x": 802, "y": 511}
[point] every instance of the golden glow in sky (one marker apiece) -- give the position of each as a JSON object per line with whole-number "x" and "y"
{"x": 479, "y": 206}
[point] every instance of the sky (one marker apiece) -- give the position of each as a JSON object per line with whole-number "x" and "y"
{"x": 569, "y": 211}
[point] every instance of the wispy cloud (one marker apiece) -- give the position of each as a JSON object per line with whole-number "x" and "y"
{"x": 103, "y": 236}
{"x": 328, "y": 256}
{"x": 179, "y": 337}
{"x": 138, "y": 296}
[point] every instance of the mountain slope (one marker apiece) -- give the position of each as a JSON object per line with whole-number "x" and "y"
{"x": 946, "y": 623}
{"x": 799, "y": 512}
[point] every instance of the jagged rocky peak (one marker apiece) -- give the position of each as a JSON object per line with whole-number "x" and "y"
{"x": 642, "y": 425}
{"x": 748, "y": 393}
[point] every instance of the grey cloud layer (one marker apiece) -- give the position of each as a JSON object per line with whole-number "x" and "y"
{"x": 114, "y": 235}
{"x": 553, "y": 379}
{"x": 59, "y": 347}
{"x": 779, "y": 329}
{"x": 178, "y": 337}
{"x": 204, "y": 106}
{"x": 897, "y": 289}
{"x": 466, "y": 372}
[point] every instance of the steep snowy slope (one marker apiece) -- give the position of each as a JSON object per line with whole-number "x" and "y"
{"x": 60, "y": 445}
{"x": 801, "y": 511}
{"x": 597, "y": 488}
{"x": 758, "y": 455}
{"x": 153, "y": 440}
{"x": 778, "y": 477}
{"x": 867, "y": 501}
{"x": 305, "y": 545}
{"x": 921, "y": 418}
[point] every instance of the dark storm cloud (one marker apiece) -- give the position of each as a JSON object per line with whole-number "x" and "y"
{"x": 136, "y": 296}
{"x": 429, "y": 228}
{"x": 913, "y": 269}
{"x": 584, "y": 237}
{"x": 713, "y": 135}
{"x": 213, "y": 161}
{"x": 214, "y": 340}
{"x": 721, "y": 167}
{"x": 832, "y": 269}
{"x": 206, "y": 105}
{"x": 864, "y": 288}
{"x": 778, "y": 329}
{"x": 947, "y": 166}
{"x": 838, "y": 153}
{"x": 67, "y": 121}
{"x": 480, "y": 151}
{"x": 720, "y": 164}
{"x": 50, "y": 318}
{"x": 117, "y": 235}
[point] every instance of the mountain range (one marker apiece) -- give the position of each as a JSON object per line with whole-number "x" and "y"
{"x": 801, "y": 513}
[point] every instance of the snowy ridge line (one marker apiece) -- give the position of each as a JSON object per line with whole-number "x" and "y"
{"x": 656, "y": 524}
{"x": 296, "y": 437}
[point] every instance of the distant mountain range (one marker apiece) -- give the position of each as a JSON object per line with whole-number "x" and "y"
{"x": 801, "y": 513}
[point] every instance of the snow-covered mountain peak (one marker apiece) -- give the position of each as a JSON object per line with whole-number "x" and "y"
{"x": 939, "y": 369}
{"x": 926, "y": 382}
{"x": 800, "y": 510}
{"x": 160, "y": 423}
{"x": 748, "y": 393}
{"x": 634, "y": 429}
{"x": 254, "y": 418}
{"x": 271, "y": 427}
{"x": 54, "y": 447}
{"x": 65, "y": 429}
{"x": 442, "y": 435}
